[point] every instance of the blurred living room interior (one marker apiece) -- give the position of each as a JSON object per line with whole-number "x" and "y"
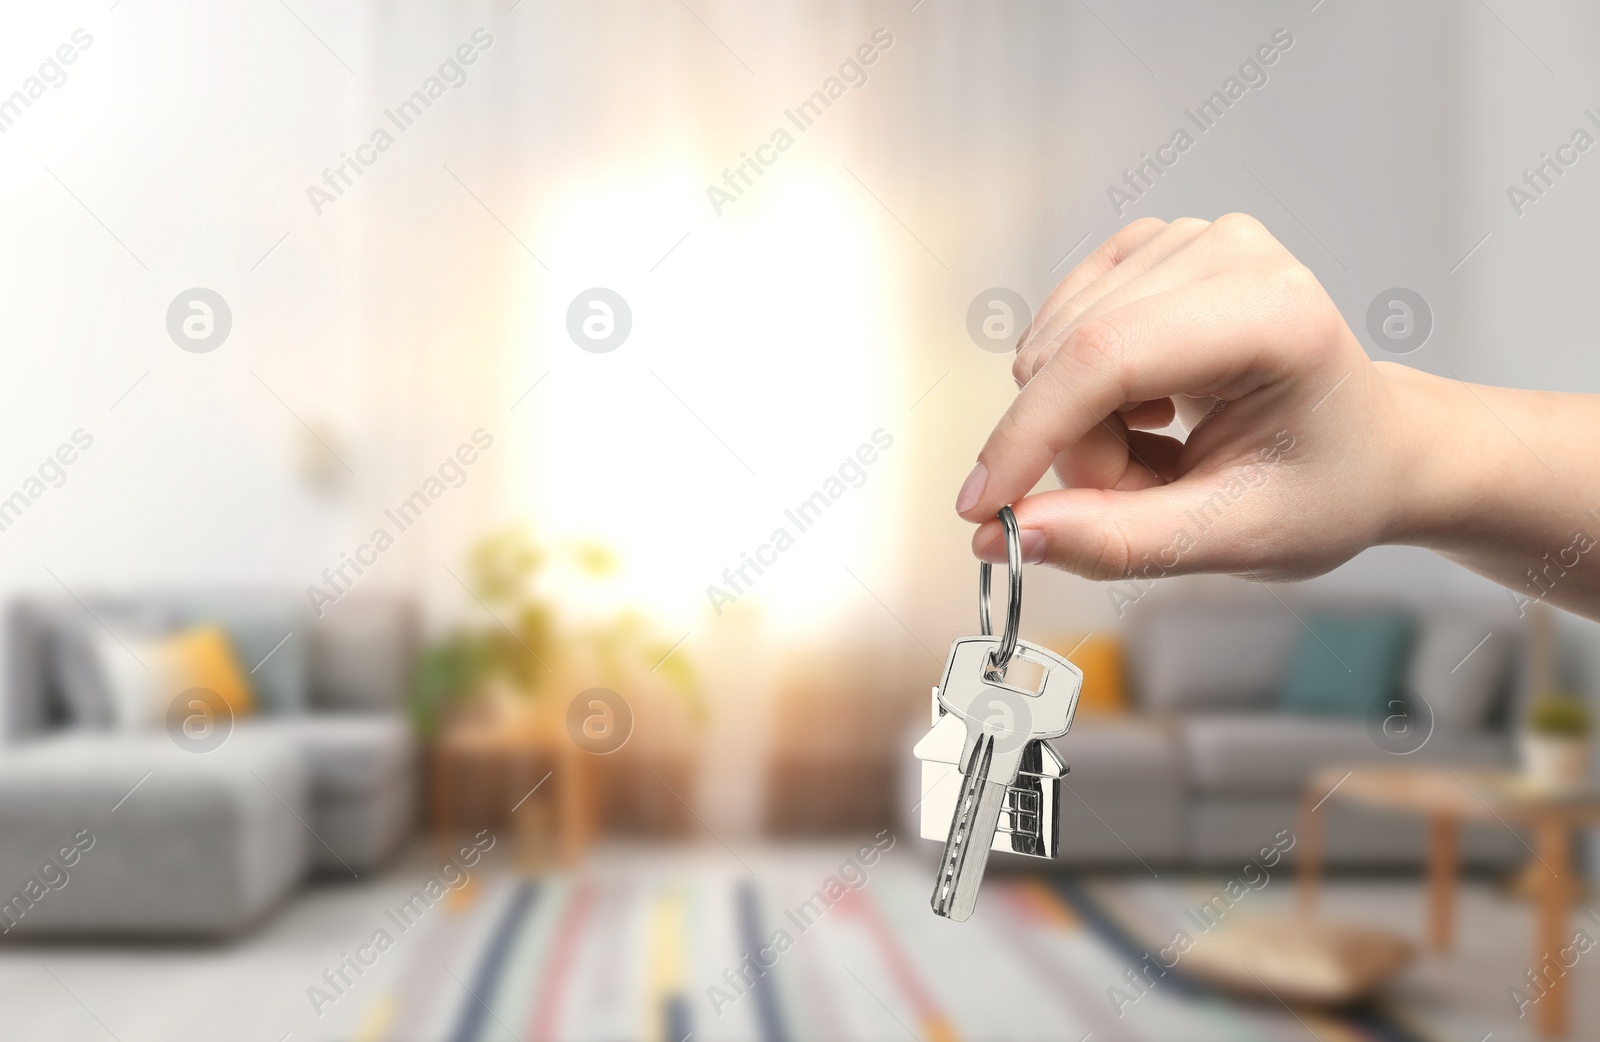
{"x": 478, "y": 533}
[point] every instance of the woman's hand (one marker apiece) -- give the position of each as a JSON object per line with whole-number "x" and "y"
{"x": 1295, "y": 458}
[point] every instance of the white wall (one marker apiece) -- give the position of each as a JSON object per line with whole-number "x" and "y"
{"x": 407, "y": 314}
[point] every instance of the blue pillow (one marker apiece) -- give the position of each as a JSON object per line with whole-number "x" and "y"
{"x": 1344, "y": 662}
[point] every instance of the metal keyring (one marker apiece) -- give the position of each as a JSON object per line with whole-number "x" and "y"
{"x": 1008, "y": 641}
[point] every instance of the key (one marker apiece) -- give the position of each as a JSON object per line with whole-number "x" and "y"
{"x": 1004, "y": 723}
{"x": 1031, "y": 818}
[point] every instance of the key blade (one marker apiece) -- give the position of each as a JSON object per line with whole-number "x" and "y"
{"x": 972, "y": 829}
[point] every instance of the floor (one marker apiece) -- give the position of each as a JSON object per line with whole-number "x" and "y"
{"x": 274, "y": 985}
{"x": 1461, "y": 997}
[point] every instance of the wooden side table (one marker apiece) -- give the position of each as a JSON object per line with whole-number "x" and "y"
{"x": 527, "y": 759}
{"x": 1447, "y": 797}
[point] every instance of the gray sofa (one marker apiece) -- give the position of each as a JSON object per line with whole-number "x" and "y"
{"x": 145, "y": 836}
{"x": 1207, "y": 768}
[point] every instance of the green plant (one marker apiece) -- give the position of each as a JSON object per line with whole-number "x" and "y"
{"x": 446, "y": 669}
{"x": 520, "y": 643}
{"x": 1560, "y": 716}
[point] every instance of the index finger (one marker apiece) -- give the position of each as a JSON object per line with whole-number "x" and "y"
{"x": 1176, "y": 342}
{"x": 1101, "y": 260}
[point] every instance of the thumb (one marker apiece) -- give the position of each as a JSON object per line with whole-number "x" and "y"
{"x": 1105, "y": 534}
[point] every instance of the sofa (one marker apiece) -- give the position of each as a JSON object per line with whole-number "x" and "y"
{"x": 1205, "y": 765}
{"x": 144, "y": 834}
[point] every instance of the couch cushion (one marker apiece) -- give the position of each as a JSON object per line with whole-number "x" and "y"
{"x": 1189, "y": 655}
{"x": 81, "y": 760}
{"x": 1124, "y": 797}
{"x": 352, "y": 753}
{"x": 85, "y": 694}
{"x": 1462, "y": 663}
{"x": 183, "y": 843}
{"x": 363, "y": 789}
{"x": 1118, "y": 747}
{"x": 87, "y": 660}
{"x": 361, "y": 651}
{"x": 1261, "y": 754}
{"x": 1346, "y": 660}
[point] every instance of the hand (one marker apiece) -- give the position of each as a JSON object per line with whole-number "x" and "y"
{"x": 1290, "y": 465}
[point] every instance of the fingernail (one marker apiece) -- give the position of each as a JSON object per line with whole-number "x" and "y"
{"x": 972, "y": 489}
{"x": 1034, "y": 545}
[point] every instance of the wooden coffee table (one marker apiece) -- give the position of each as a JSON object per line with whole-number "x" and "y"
{"x": 1446, "y": 797}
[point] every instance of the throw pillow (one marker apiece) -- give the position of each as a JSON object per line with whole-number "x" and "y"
{"x": 79, "y": 678}
{"x": 203, "y": 657}
{"x": 133, "y": 671}
{"x": 276, "y": 666}
{"x": 1343, "y": 662}
{"x": 1100, "y": 657}
{"x": 1458, "y": 669}
{"x": 142, "y": 675}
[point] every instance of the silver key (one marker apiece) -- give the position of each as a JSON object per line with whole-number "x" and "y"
{"x": 1030, "y": 820}
{"x": 1005, "y": 725}
{"x": 1004, "y": 764}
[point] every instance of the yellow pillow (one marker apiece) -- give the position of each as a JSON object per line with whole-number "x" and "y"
{"x": 202, "y": 657}
{"x": 1100, "y": 658}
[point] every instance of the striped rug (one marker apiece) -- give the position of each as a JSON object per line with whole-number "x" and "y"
{"x": 804, "y": 951}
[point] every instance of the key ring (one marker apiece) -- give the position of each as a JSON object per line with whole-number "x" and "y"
{"x": 1008, "y": 642}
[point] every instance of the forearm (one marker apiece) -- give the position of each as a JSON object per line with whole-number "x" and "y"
{"x": 1317, "y": 454}
{"x": 1504, "y": 482}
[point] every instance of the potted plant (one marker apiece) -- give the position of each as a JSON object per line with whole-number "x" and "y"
{"x": 500, "y": 670}
{"x": 1556, "y": 742}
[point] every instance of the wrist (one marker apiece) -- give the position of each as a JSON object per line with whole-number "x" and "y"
{"x": 1459, "y": 472}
